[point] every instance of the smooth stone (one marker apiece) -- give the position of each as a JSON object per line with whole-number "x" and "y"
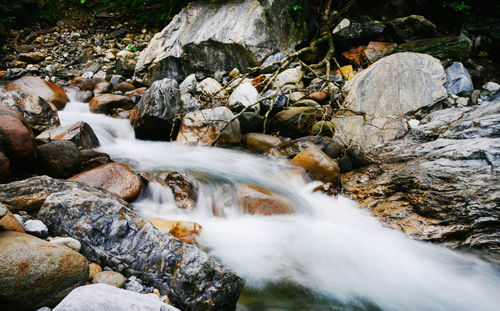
{"x": 491, "y": 87}
{"x": 295, "y": 122}
{"x": 37, "y": 87}
{"x": 102, "y": 88}
{"x": 110, "y": 278}
{"x": 8, "y": 222}
{"x": 79, "y": 133}
{"x": 210, "y": 87}
{"x": 261, "y": 143}
{"x": 186, "y": 231}
{"x": 244, "y": 96}
{"x": 317, "y": 164}
{"x": 16, "y": 138}
{"x": 107, "y": 103}
{"x": 36, "y": 228}
{"x": 94, "y": 269}
{"x": 68, "y": 242}
{"x": 257, "y": 200}
{"x": 59, "y": 159}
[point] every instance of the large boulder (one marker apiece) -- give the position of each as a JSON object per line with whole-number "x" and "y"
{"x": 40, "y": 114}
{"x": 37, "y": 87}
{"x": 109, "y": 298}
{"x": 59, "y": 159}
{"x": 207, "y": 37}
{"x": 113, "y": 235}
{"x": 184, "y": 188}
{"x": 35, "y": 273}
{"x": 257, "y": 200}
{"x": 117, "y": 178}
{"x": 80, "y": 133}
{"x": 153, "y": 117}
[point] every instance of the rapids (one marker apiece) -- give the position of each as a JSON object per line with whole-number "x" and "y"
{"x": 331, "y": 255}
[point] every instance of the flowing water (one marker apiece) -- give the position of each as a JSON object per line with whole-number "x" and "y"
{"x": 330, "y": 255}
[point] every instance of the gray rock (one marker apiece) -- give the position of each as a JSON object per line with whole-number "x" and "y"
{"x": 458, "y": 80}
{"x": 60, "y": 159}
{"x": 3, "y": 210}
{"x": 190, "y": 103}
{"x": 210, "y": 87}
{"x": 108, "y": 298}
{"x": 44, "y": 309}
{"x": 36, "y": 228}
{"x": 157, "y": 110}
{"x": 227, "y": 35}
{"x": 116, "y": 79}
{"x": 188, "y": 85}
{"x": 66, "y": 241}
{"x": 491, "y": 86}
{"x": 243, "y": 96}
{"x": 80, "y": 133}
{"x": 411, "y": 28}
{"x": 112, "y": 278}
{"x": 113, "y": 235}
{"x": 134, "y": 286}
{"x": 358, "y": 34}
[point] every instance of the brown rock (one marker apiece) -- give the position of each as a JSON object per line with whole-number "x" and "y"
{"x": 261, "y": 142}
{"x": 107, "y": 103}
{"x": 16, "y": 139}
{"x": 114, "y": 177}
{"x": 38, "y": 87}
{"x": 92, "y": 159}
{"x": 376, "y": 50}
{"x": 185, "y": 231}
{"x": 259, "y": 82}
{"x": 59, "y": 159}
{"x": 8, "y": 222}
{"x": 4, "y": 167}
{"x": 355, "y": 56}
{"x": 139, "y": 91}
{"x": 80, "y": 133}
{"x": 183, "y": 187}
{"x": 90, "y": 84}
{"x": 319, "y": 97}
{"x": 94, "y": 269}
{"x": 257, "y": 200}
{"x": 317, "y": 164}
{"x": 102, "y": 88}
{"x": 123, "y": 87}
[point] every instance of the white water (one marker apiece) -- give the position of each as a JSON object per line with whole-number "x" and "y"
{"x": 330, "y": 246}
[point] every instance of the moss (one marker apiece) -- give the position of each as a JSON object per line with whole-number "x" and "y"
{"x": 445, "y": 49}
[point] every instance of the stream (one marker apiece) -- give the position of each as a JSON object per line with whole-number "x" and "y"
{"x": 330, "y": 255}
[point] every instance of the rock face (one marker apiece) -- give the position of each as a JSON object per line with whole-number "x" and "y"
{"x": 80, "y": 133}
{"x": 35, "y": 273}
{"x": 109, "y": 298}
{"x": 107, "y": 103}
{"x": 154, "y": 115}
{"x": 183, "y": 187}
{"x": 114, "y": 177}
{"x": 59, "y": 159}
{"x": 40, "y": 114}
{"x": 208, "y": 37}
{"x": 317, "y": 164}
{"x": 257, "y": 200}
{"x": 37, "y": 87}
{"x": 441, "y": 182}
{"x": 113, "y": 235}
{"x": 202, "y": 127}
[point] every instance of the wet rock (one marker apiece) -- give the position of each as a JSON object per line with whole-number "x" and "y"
{"x": 37, "y": 87}
{"x": 154, "y": 115}
{"x": 83, "y": 96}
{"x": 358, "y": 34}
{"x": 36, "y": 228}
{"x": 245, "y": 95}
{"x": 117, "y": 178}
{"x": 377, "y": 50}
{"x": 123, "y": 87}
{"x": 257, "y": 142}
{"x": 35, "y": 273}
{"x": 107, "y": 103}
{"x": 40, "y": 114}
{"x": 109, "y": 298}
{"x": 59, "y": 159}
{"x": 410, "y": 28}
{"x": 257, "y": 200}
{"x": 90, "y": 84}
{"x": 295, "y": 121}
{"x": 68, "y": 242}
{"x": 186, "y": 231}
{"x": 202, "y": 127}
{"x": 110, "y": 278}
{"x": 317, "y": 164}
{"x": 16, "y": 138}
{"x": 246, "y": 33}
{"x": 80, "y": 133}
{"x": 113, "y": 235}
{"x": 183, "y": 187}
{"x": 102, "y": 88}
{"x": 458, "y": 80}
{"x": 7, "y": 221}
{"x": 251, "y": 122}
{"x": 290, "y": 149}
{"x": 446, "y": 49}
{"x": 92, "y": 159}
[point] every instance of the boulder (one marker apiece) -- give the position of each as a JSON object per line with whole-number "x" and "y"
{"x": 358, "y": 34}
{"x": 123, "y": 87}
{"x": 458, "y": 80}
{"x": 37, "y": 87}
{"x": 245, "y": 95}
{"x": 295, "y": 122}
{"x": 59, "y": 159}
{"x": 107, "y": 103}
{"x": 261, "y": 143}
{"x": 92, "y": 159}
{"x": 109, "y": 298}
{"x": 410, "y": 28}
{"x": 317, "y": 164}
{"x": 80, "y": 133}
{"x": 257, "y": 200}
{"x": 7, "y": 221}
{"x": 186, "y": 231}
{"x": 446, "y": 49}
{"x": 40, "y": 114}
{"x": 112, "y": 278}
{"x": 116, "y": 178}
{"x": 113, "y": 235}
{"x": 153, "y": 117}
{"x": 184, "y": 188}
{"x": 203, "y": 127}
{"x": 16, "y": 138}
{"x": 223, "y": 36}
{"x": 102, "y": 88}
{"x": 35, "y": 273}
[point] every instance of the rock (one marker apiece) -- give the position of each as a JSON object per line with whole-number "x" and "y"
{"x": 491, "y": 87}
{"x": 90, "y": 84}
{"x": 107, "y": 103}
{"x": 32, "y": 57}
{"x": 319, "y": 97}
{"x": 119, "y": 33}
{"x": 123, "y": 87}
{"x": 458, "y": 80}
{"x": 110, "y": 278}
{"x": 68, "y": 242}
{"x": 80, "y": 133}
{"x": 245, "y": 95}
{"x": 440, "y": 183}
{"x": 102, "y": 88}
{"x": 377, "y": 50}
{"x": 16, "y": 138}
{"x": 37, "y": 87}
{"x": 295, "y": 122}
{"x": 125, "y": 63}
{"x": 4, "y": 167}
{"x": 346, "y": 71}
{"x": 462, "y": 101}
{"x": 343, "y": 24}
{"x": 36, "y": 228}
{"x": 190, "y": 103}
{"x": 355, "y": 56}
{"x": 446, "y": 49}
{"x": 276, "y": 104}
{"x": 221, "y": 37}
{"x": 59, "y": 159}
{"x": 290, "y": 76}
{"x": 134, "y": 286}
{"x": 92, "y": 159}
{"x": 40, "y": 114}
{"x": 317, "y": 164}
{"x": 289, "y": 149}
{"x": 184, "y": 188}
{"x": 109, "y": 298}
{"x": 186, "y": 231}
{"x": 154, "y": 115}
{"x": 202, "y": 127}
{"x": 112, "y": 234}
{"x": 211, "y": 87}
{"x": 251, "y": 122}
{"x": 188, "y": 85}
{"x": 116, "y": 178}
{"x": 35, "y": 273}
{"x": 261, "y": 143}
{"x": 410, "y": 28}
{"x": 7, "y": 221}
{"x": 257, "y": 200}
{"x": 83, "y": 96}
{"x": 233, "y": 74}
{"x": 116, "y": 79}
{"x": 358, "y": 34}
{"x": 397, "y": 84}
{"x": 323, "y": 128}
{"x": 94, "y": 269}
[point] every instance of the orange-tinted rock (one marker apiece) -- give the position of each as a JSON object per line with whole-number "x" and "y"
{"x": 317, "y": 164}
{"x": 259, "y": 82}
{"x": 114, "y": 177}
{"x": 319, "y": 97}
{"x": 258, "y": 142}
{"x": 376, "y": 50}
{"x": 107, "y": 103}
{"x": 123, "y": 87}
{"x": 90, "y": 84}
{"x": 94, "y": 269}
{"x": 139, "y": 91}
{"x": 78, "y": 80}
{"x": 16, "y": 138}
{"x": 355, "y": 56}
{"x": 347, "y": 72}
{"x": 185, "y": 231}
{"x": 37, "y": 87}
{"x": 257, "y": 200}
{"x": 8, "y": 222}
{"x": 102, "y": 88}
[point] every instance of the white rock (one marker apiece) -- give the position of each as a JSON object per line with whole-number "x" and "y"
{"x": 289, "y": 76}
{"x": 74, "y": 244}
{"x": 36, "y": 227}
{"x": 88, "y": 74}
{"x": 244, "y": 95}
{"x": 462, "y": 101}
{"x": 188, "y": 85}
{"x": 125, "y": 54}
{"x": 210, "y": 86}
{"x": 343, "y": 24}
{"x": 100, "y": 74}
{"x": 296, "y": 96}
{"x": 413, "y": 123}
{"x": 491, "y": 86}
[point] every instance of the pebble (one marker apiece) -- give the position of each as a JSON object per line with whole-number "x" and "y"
{"x": 36, "y": 228}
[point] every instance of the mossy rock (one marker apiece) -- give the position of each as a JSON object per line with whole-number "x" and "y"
{"x": 446, "y": 49}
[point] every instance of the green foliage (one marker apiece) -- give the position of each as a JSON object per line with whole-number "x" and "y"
{"x": 131, "y": 47}
{"x": 458, "y": 6}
